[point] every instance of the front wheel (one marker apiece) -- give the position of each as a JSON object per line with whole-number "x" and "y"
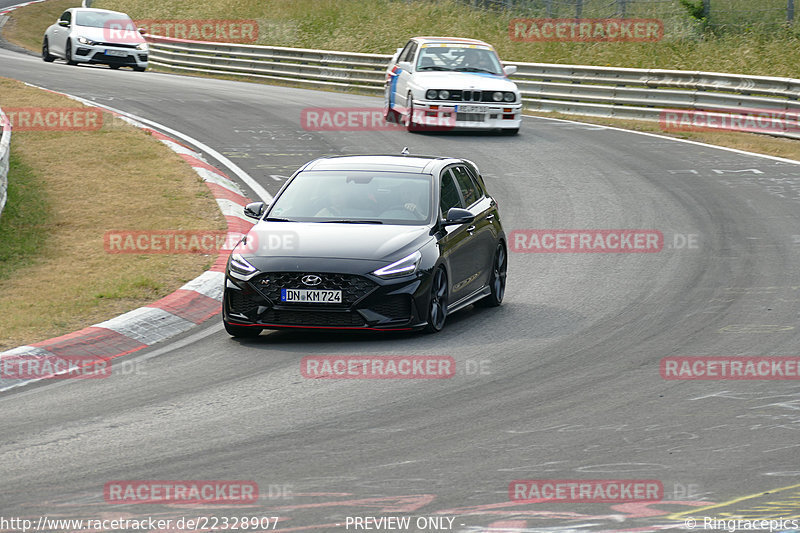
{"x": 244, "y": 332}
{"x": 46, "y": 57}
{"x": 437, "y": 306}
{"x": 497, "y": 282}
{"x": 410, "y": 125}
{"x": 68, "y": 54}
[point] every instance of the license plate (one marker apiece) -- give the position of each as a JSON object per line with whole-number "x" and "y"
{"x": 471, "y": 109}
{"x": 316, "y": 296}
{"x": 116, "y": 53}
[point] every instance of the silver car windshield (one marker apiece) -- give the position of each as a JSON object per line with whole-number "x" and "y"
{"x": 458, "y": 58}
{"x": 94, "y": 19}
{"x": 366, "y": 197}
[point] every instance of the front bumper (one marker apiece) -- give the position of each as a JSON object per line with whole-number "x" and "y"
{"x": 369, "y": 303}
{"x": 449, "y": 115}
{"x": 106, "y": 54}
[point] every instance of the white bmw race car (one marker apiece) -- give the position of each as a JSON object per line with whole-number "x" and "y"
{"x": 441, "y": 83}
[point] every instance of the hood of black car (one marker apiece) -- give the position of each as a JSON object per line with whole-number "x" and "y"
{"x": 374, "y": 242}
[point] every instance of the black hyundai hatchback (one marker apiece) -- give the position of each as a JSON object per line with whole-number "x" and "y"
{"x": 374, "y": 242}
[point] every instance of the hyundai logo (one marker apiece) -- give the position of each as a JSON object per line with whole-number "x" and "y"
{"x": 311, "y": 280}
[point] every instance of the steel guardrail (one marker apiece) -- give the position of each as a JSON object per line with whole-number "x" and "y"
{"x": 5, "y": 155}
{"x": 629, "y": 93}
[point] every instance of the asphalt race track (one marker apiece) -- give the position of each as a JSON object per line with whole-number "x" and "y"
{"x": 562, "y": 382}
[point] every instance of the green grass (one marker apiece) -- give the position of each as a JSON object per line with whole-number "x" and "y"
{"x": 24, "y": 221}
{"x": 744, "y": 36}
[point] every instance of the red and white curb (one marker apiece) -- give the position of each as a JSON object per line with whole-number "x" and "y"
{"x": 192, "y": 304}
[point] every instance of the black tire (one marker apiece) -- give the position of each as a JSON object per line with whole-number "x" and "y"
{"x": 139, "y": 69}
{"x": 437, "y": 306}
{"x": 497, "y": 281}
{"x": 243, "y": 332}
{"x": 46, "y": 57}
{"x": 510, "y": 131}
{"x": 113, "y": 67}
{"x": 410, "y": 125}
{"x": 68, "y": 54}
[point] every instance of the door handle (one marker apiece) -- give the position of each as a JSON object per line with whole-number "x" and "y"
{"x": 490, "y": 218}
{"x": 471, "y": 229}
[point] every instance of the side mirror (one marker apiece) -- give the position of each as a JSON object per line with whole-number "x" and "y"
{"x": 456, "y": 215}
{"x": 255, "y": 209}
{"x": 509, "y": 70}
{"x": 63, "y": 23}
{"x": 143, "y": 31}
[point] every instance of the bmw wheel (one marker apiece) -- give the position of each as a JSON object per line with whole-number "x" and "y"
{"x": 410, "y": 125}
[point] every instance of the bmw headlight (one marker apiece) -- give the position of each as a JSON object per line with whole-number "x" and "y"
{"x": 444, "y": 95}
{"x": 509, "y": 97}
{"x": 431, "y": 94}
{"x": 141, "y": 46}
{"x": 239, "y": 265}
{"x": 88, "y": 42}
{"x": 497, "y": 96}
{"x": 403, "y": 267}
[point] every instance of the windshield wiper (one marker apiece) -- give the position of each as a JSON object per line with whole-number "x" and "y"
{"x": 274, "y": 219}
{"x": 435, "y": 68}
{"x": 474, "y": 69}
{"x": 352, "y": 222}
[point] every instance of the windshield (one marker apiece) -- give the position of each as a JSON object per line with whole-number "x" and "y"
{"x": 95, "y": 19}
{"x": 366, "y": 197}
{"x": 459, "y": 58}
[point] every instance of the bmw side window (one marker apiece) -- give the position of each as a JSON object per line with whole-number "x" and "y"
{"x": 408, "y": 54}
{"x": 448, "y": 197}
{"x": 468, "y": 188}
{"x": 404, "y": 54}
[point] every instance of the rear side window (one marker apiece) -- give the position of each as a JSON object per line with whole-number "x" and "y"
{"x": 448, "y": 197}
{"x": 469, "y": 189}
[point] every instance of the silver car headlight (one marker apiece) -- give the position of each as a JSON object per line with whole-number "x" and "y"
{"x": 444, "y": 95}
{"x": 509, "y": 97}
{"x": 497, "y": 96}
{"x": 402, "y": 267}
{"x": 141, "y": 46}
{"x": 88, "y": 42}
{"x": 431, "y": 94}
